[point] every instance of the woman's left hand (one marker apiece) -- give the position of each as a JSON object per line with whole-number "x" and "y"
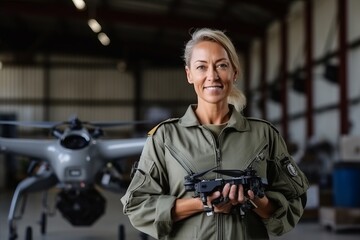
{"x": 231, "y": 195}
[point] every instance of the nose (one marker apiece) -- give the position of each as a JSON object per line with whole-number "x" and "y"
{"x": 212, "y": 73}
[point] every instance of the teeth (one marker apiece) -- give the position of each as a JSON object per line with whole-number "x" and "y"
{"x": 213, "y": 87}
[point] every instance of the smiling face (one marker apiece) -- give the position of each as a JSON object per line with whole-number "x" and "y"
{"x": 211, "y": 73}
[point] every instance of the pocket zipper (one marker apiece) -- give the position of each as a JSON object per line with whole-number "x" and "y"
{"x": 258, "y": 153}
{"x": 189, "y": 169}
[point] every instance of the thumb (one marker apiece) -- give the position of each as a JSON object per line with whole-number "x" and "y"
{"x": 251, "y": 194}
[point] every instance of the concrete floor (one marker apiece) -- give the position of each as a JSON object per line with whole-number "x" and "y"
{"x": 107, "y": 226}
{"x": 58, "y": 228}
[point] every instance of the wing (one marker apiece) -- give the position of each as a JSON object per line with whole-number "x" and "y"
{"x": 112, "y": 149}
{"x": 26, "y": 147}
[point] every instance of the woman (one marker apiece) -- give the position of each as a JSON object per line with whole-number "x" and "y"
{"x": 213, "y": 133}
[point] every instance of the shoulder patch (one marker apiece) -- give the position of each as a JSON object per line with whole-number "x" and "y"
{"x": 153, "y": 130}
{"x": 264, "y": 121}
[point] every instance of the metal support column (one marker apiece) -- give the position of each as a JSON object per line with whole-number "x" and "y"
{"x": 263, "y": 85}
{"x": 309, "y": 64}
{"x": 138, "y": 78}
{"x": 47, "y": 82}
{"x": 283, "y": 77}
{"x": 343, "y": 61}
{"x": 246, "y": 73}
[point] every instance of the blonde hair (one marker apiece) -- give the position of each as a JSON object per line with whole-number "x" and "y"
{"x": 236, "y": 96}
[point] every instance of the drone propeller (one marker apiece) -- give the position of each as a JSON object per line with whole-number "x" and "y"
{"x": 30, "y": 124}
{"x": 231, "y": 173}
{"x": 73, "y": 123}
{"x": 200, "y": 174}
{"x": 116, "y": 123}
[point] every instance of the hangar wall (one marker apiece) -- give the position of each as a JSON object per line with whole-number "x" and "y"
{"x": 94, "y": 89}
{"x": 168, "y": 88}
{"x": 326, "y": 94}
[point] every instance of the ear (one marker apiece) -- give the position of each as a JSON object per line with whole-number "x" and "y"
{"x": 188, "y": 75}
{"x": 235, "y": 75}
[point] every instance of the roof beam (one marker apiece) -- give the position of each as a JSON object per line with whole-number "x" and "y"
{"x": 121, "y": 17}
{"x": 277, "y": 10}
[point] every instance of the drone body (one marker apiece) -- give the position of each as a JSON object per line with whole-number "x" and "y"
{"x": 204, "y": 187}
{"x": 75, "y": 161}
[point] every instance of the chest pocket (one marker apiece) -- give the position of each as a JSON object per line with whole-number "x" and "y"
{"x": 258, "y": 161}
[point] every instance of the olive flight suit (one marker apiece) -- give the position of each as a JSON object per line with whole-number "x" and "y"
{"x": 179, "y": 147}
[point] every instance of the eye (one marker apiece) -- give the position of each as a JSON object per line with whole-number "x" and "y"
{"x": 201, "y": 67}
{"x": 222, "y": 66}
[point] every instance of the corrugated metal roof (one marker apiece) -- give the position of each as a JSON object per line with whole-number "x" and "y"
{"x": 153, "y": 31}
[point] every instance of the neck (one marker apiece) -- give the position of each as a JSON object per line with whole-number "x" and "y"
{"x": 213, "y": 114}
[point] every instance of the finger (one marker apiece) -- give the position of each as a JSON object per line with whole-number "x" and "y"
{"x": 226, "y": 190}
{"x": 251, "y": 194}
{"x": 213, "y": 196}
{"x": 233, "y": 193}
{"x": 241, "y": 196}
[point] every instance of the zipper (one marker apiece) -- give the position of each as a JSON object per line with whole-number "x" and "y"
{"x": 218, "y": 217}
{"x": 217, "y": 146}
{"x": 185, "y": 164}
{"x": 244, "y": 226}
{"x": 218, "y": 156}
{"x": 259, "y": 154}
{"x": 257, "y": 157}
{"x": 220, "y": 220}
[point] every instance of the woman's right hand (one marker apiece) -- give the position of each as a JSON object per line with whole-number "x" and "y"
{"x": 231, "y": 195}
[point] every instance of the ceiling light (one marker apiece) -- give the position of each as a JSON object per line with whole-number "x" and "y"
{"x": 104, "y": 39}
{"x": 79, "y": 4}
{"x": 94, "y": 25}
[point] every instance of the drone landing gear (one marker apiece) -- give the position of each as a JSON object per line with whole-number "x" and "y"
{"x": 28, "y": 233}
{"x": 30, "y": 184}
{"x": 12, "y": 233}
{"x": 43, "y": 223}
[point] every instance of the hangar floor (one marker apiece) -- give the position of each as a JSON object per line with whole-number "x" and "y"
{"x": 107, "y": 227}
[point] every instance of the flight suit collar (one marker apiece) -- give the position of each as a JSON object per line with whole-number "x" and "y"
{"x": 236, "y": 121}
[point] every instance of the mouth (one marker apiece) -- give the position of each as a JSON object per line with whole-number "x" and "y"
{"x": 213, "y": 87}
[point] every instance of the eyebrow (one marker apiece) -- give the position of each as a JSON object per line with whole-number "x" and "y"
{"x": 219, "y": 60}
